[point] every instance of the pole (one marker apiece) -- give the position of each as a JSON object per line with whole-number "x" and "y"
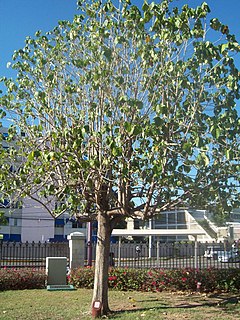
{"x": 195, "y": 253}
{"x": 150, "y": 241}
{"x": 158, "y": 254}
{"x": 89, "y": 243}
{"x": 119, "y": 250}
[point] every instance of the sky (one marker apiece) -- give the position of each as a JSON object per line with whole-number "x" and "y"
{"x": 22, "y": 18}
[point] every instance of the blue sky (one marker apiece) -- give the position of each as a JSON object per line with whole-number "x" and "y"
{"x": 22, "y": 18}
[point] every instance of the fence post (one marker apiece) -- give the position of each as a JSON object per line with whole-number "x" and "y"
{"x": 1, "y": 243}
{"x": 150, "y": 247}
{"x": 119, "y": 251}
{"x": 158, "y": 253}
{"x": 89, "y": 243}
{"x": 195, "y": 253}
{"x": 77, "y": 249}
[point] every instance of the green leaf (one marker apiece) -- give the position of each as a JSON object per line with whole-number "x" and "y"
{"x": 158, "y": 121}
{"x": 31, "y": 156}
{"x": 51, "y": 188}
{"x": 128, "y": 126}
{"x": 115, "y": 151}
{"x": 223, "y": 47}
{"x": 120, "y": 80}
{"x": 218, "y": 132}
{"x": 2, "y": 113}
{"x": 229, "y": 154}
{"x": 215, "y": 24}
{"x": 108, "y": 53}
{"x": 205, "y": 7}
{"x": 136, "y": 130}
{"x": 145, "y": 6}
{"x": 187, "y": 147}
{"x": 203, "y": 159}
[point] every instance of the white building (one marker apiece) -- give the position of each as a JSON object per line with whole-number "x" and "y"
{"x": 34, "y": 223}
{"x": 177, "y": 219}
{"x": 191, "y": 220}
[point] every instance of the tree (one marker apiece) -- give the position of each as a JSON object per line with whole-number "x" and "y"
{"x": 124, "y": 112}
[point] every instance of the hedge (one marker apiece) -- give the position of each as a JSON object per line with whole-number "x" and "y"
{"x": 125, "y": 279}
{"x": 19, "y": 279}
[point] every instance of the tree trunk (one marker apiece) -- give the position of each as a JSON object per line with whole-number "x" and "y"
{"x": 100, "y": 291}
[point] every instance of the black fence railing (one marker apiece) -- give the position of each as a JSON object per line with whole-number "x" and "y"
{"x": 30, "y": 254}
{"x": 128, "y": 254}
{"x": 175, "y": 255}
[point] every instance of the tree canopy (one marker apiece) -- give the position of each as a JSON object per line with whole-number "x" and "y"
{"x": 124, "y": 111}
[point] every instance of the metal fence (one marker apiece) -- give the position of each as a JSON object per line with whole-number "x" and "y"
{"x": 175, "y": 255}
{"x": 127, "y": 254}
{"x": 30, "y": 254}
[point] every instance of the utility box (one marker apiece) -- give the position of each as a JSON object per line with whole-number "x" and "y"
{"x": 56, "y": 268}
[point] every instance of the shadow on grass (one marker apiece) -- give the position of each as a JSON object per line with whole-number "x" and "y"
{"x": 221, "y": 302}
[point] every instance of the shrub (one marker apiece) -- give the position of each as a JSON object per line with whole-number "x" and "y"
{"x": 19, "y": 279}
{"x": 205, "y": 280}
{"x": 119, "y": 278}
{"x": 126, "y": 279}
{"x": 81, "y": 278}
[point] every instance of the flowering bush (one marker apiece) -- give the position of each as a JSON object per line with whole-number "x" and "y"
{"x": 18, "y": 279}
{"x": 126, "y": 279}
{"x": 81, "y": 277}
{"x": 206, "y": 280}
{"x": 118, "y": 278}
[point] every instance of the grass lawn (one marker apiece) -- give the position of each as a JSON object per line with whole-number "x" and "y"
{"x": 43, "y": 304}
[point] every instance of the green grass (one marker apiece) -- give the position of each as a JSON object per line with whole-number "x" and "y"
{"x": 56, "y": 305}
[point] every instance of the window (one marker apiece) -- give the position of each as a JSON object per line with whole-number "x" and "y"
{"x": 15, "y": 237}
{"x": 78, "y": 224}
{"x": 59, "y": 223}
{"x": 171, "y": 218}
{"x": 13, "y": 222}
{"x": 161, "y": 219}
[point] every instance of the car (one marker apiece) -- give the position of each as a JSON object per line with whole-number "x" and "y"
{"x": 229, "y": 256}
{"x": 213, "y": 252}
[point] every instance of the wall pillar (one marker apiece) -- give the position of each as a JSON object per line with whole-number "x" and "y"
{"x": 77, "y": 249}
